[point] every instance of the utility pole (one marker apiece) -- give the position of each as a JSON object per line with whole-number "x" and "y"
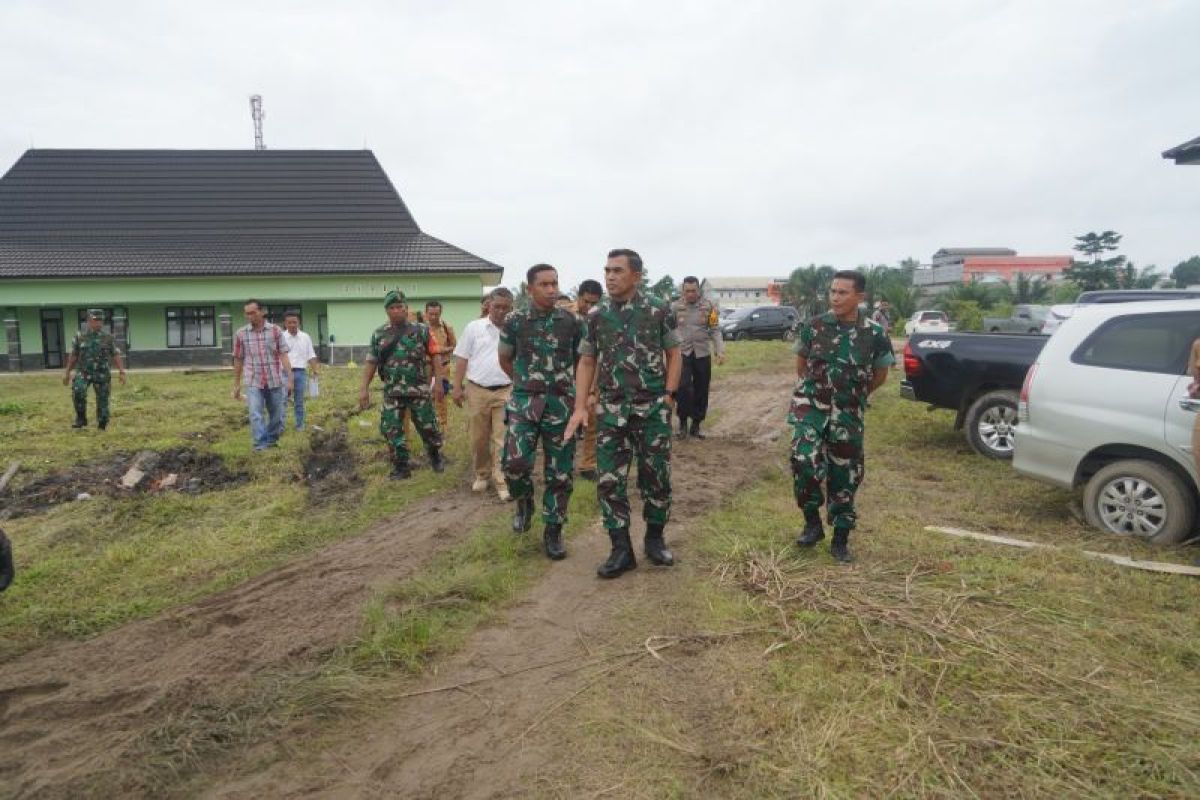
{"x": 256, "y": 112}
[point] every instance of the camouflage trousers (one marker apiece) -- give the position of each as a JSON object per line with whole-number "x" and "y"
{"x": 626, "y": 430}
{"x": 827, "y": 451}
{"x": 79, "y": 388}
{"x": 532, "y": 418}
{"x": 391, "y": 424}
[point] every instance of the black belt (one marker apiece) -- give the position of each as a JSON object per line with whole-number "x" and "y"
{"x": 490, "y": 388}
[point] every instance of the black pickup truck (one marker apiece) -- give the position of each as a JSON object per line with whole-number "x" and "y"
{"x": 977, "y": 375}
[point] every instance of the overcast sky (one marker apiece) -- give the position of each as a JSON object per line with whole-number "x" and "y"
{"x": 715, "y": 138}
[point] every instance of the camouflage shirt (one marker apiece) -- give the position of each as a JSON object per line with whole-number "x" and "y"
{"x": 543, "y": 346}
{"x": 402, "y": 353}
{"x": 629, "y": 341}
{"x": 94, "y": 351}
{"x": 842, "y": 356}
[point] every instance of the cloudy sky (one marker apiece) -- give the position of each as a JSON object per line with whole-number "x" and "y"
{"x": 717, "y": 138}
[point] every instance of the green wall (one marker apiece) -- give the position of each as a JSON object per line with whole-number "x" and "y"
{"x": 354, "y": 303}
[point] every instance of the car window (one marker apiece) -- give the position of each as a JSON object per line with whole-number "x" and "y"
{"x": 1143, "y": 343}
{"x": 932, "y": 316}
{"x": 740, "y": 313}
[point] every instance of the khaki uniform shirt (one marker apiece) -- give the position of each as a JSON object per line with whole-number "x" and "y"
{"x": 697, "y": 325}
{"x": 443, "y": 334}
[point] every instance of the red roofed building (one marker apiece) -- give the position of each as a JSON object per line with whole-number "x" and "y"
{"x": 1006, "y": 268}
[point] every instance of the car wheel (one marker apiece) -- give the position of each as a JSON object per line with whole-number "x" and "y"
{"x": 994, "y": 330}
{"x": 736, "y": 336}
{"x": 991, "y": 424}
{"x": 789, "y": 335}
{"x": 1033, "y": 330}
{"x": 1140, "y": 499}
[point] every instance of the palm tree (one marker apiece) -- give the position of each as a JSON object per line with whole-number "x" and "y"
{"x": 807, "y": 289}
{"x": 1028, "y": 290}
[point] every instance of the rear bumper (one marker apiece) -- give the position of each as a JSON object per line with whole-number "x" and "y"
{"x": 1045, "y": 461}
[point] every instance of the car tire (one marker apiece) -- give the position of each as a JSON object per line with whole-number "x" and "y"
{"x": 736, "y": 336}
{"x": 990, "y": 423}
{"x": 789, "y": 335}
{"x": 993, "y": 330}
{"x": 1033, "y": 330}
{"x": 1164, "y": 510}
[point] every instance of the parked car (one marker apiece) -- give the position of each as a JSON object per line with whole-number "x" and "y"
{"x": 1024, "y": 319}
{"x": 927, "y": 322}
{"x": 1105, "y": 407}
{"x": 976, "y": 375}
{"x": 761, "y": 322}
{"x": 1061, "y": 312}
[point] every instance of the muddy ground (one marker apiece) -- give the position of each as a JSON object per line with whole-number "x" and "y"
{"x": 181, "y": 469}
{"x": 74, "y": 714}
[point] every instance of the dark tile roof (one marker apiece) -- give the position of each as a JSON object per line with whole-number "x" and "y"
{"x": 975, "y": 251}
{"x": 211, "y": 212}
{"x": 1186, "y": 153}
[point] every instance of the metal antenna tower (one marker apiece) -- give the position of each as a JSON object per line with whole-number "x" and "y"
{"x": 256, "y": 112}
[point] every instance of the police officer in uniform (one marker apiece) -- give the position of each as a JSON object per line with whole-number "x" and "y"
{"x": 841, "y": 357}
{"x": 404, "y": 353}
{"x": 538, "y": 350}
{"x": 93, "y": 351}
{"x": 700, "y": 339}
{"x": 631, "y": 348}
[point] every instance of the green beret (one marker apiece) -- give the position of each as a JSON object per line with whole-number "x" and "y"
{"x": 393, "y": 297}
{"x": 96, "y": 313}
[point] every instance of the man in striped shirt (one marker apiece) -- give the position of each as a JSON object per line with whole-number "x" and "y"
{"x": 260, "y": 361}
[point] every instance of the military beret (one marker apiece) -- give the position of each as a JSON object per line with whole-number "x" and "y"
{"x": 96, "y": 313}
{"x": 393, "y": 297}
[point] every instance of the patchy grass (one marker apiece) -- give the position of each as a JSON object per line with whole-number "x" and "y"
{"x": 86, "y": 566}
{"x": 933, "y": 667}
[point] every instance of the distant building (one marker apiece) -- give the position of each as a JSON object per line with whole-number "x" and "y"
{"x": 743, "y": 291}
{"x": 170, "y": 243}
{"x": 959, "y": 265}
{"x": 1186, "y": 153}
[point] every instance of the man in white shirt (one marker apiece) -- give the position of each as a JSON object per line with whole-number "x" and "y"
{"x": 304, "y": 362}
{"x": 486, "y": 390}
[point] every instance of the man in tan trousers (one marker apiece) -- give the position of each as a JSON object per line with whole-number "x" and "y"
{"x": 588, "y": 295}
{"x": 479, "y": 381}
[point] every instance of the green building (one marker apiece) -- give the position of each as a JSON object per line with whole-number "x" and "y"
{"x": 172, "y": 242}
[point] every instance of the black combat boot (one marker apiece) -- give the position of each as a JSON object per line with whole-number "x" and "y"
{"x": 80, "y": 421}
{"x": 400, "y": 471}
{"x": 813, "y": 530}
{"x": 695, "y": 431}
{"x": 524, "y": 516}
{"x": 683, "y": 427}
{"x": 436, "y": 460}
{"x": 552, "y": 539}
{"x": 839, "y": 548}
{"x": 656, "y": 548}
{"x": 7, "y": 571}
{"x": 621, "y": 558}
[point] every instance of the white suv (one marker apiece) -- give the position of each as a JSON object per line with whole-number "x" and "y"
{"x": 1106, "y": 407}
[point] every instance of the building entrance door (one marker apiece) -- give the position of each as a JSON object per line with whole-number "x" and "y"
{"x": 52, "y": 338}
{"x": 323, "y": 338}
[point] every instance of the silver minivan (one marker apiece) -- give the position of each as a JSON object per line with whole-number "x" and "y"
{"x": 1106, "y": 407}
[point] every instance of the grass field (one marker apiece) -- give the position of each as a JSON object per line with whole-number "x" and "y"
{"x": 934, "y": 667}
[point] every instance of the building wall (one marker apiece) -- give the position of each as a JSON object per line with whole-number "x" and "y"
{"x": 354, "y": 305}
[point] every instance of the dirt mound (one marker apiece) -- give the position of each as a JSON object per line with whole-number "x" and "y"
{"x": 329, "y": 467}
{"x": 180, "y": 469}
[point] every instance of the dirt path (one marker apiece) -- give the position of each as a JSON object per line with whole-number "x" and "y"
{"x": 72, "y": 711}
{"x": 476, "y": 742}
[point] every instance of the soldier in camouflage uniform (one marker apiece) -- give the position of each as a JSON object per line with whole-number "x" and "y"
{"x": 404, "y": 354}
{"x": 841, "y": 357}
{"x": 94, "y": 351}
{"x": 631, "y": 348}
{"x": 538, "y": 349}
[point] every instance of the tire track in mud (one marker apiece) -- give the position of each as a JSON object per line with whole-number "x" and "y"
{"x": 472, "y": 742}
{"x": 71, "y": 710}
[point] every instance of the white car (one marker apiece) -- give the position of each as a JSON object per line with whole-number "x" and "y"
{"x": 927, "y": 322}
{"x": 1106, "y": 407}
